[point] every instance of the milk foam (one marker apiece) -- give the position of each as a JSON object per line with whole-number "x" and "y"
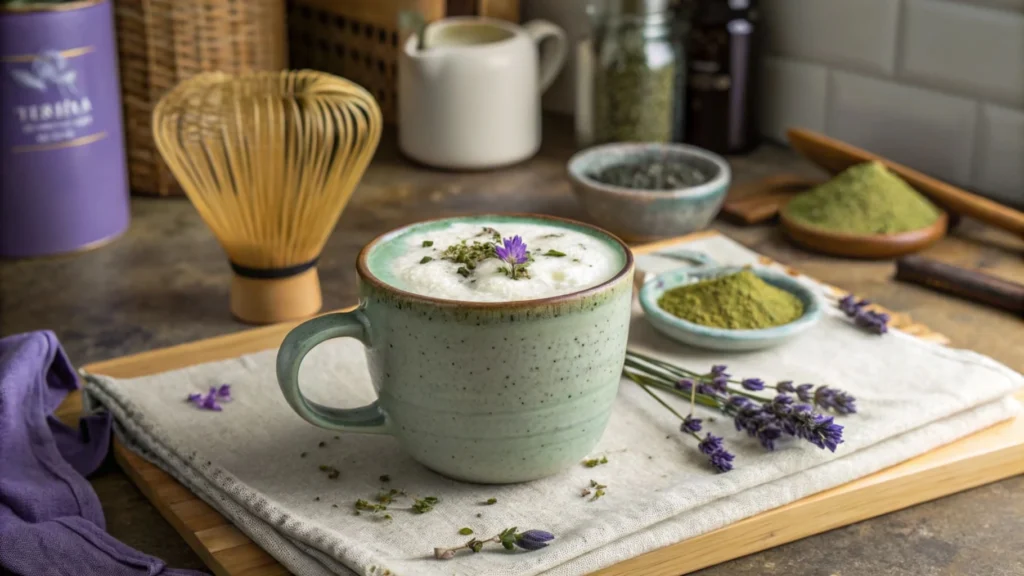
{"x": 588, "y": 262}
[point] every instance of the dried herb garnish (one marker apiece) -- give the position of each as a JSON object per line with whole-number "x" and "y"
{"x": 425, "y": 259}
{"x": 385, "y": 478}
{"x": 491, "y": 501}
{"x": 593, "y": 462}
{"x": 595, "y": 490}
{"x": 546, "y": 236}
{"x": 554, "y": 254}
{"x": 466, "y": 531}
{"x": 424, "y": 505}
{"x": 322, "y": 444}
{"x": 428, "y": 243}
{"x": 304, "y": 454}
{"x": 332, "y": 472}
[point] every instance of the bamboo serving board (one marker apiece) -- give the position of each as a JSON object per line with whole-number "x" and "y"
{"x": 986, "y": 456}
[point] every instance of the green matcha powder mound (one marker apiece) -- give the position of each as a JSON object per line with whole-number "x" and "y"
{"x": 739, "y": 301}
{"x": 864, "y": 199}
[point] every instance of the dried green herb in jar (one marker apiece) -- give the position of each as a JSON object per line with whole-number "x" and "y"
{"x": 740, "y": 301}
{"x": 636, "y": 97}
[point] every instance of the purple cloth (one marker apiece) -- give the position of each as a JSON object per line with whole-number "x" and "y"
{"x": 51, "y": 522}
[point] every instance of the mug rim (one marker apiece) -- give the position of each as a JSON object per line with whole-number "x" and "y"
{"x": 363, "y": 267}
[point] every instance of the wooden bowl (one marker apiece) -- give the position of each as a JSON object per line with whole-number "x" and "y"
{"x": 863, "y": 245}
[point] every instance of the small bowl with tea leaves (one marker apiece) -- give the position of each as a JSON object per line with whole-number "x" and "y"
{"x": 729, "y": 308}
{"x": 646, "y": 191}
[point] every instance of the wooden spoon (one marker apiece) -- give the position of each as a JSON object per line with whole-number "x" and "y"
{"x": 836, "y": 156}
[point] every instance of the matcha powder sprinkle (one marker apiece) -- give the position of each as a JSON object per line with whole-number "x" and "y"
{"x": 864, "y": 199}
{"x": 739, "y": 301}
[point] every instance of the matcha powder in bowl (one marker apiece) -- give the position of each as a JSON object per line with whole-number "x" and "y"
{"x": 739, "y": 301}
{"x": 865, "y": 199}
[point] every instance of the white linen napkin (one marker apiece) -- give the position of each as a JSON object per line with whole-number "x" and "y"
{"x": 247, "y": 460}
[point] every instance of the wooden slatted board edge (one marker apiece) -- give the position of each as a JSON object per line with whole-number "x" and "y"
{"x": 986, "y": 456}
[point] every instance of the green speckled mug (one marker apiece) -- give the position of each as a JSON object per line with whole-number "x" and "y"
{"x": 489, "y": 392}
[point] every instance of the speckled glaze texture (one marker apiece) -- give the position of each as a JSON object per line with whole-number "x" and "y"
{"x": 481, "y": 392}
{"x": 498, "y": 395}
{"x": 645, "y": 215}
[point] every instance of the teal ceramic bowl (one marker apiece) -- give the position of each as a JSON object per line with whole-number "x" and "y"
{"x": 724, "y": 339}
{"x": 645, "y": 215}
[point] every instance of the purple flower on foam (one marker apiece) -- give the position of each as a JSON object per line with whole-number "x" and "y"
{"x": 209, "y": 401}
{"x": 195, "y": 398}
{"x": 753, "y": 384}
{"x": 513, "y": 251}
{"x": 534, "y": 539}
{"x": 690, "y": 424}
{"x": 224, "y": 392}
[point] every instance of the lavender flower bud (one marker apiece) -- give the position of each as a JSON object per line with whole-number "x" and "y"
{"x": 684, "y": 385}
{"x": 194, "y": 398}
{"x": 753, "y": 384}
{"x": 534, "y": 539}
{"x": 721, "y": 460}
{"x": 719, "y": 370}
{"x": 738, "y": 400}
{"x": 710, "y": 444}
{"x": 803, "y": 392}
{"x": 690, "y": 424}
{"x": 720, "y": 383}
{"x": 785, "y": 386}
{"x": 224, "y": 391}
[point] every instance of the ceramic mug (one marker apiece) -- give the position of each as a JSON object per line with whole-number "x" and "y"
{"x": 471, "y": 98}
{"x": 490, "y": 392}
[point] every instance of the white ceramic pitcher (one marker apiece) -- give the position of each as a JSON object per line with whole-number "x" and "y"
{"x": 471, "y": 98}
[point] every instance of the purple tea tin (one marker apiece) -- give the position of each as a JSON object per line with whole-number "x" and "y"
{"x": 63, "y": 179}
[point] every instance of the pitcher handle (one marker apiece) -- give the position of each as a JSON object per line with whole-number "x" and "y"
{"x": 553, "y": 59}
{"x": 367, "y": 419}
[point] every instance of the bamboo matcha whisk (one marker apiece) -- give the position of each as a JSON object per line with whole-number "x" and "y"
{"x": 269, "y": 159}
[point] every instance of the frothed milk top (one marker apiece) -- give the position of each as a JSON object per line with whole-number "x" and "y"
{"x": 561, "y": 260}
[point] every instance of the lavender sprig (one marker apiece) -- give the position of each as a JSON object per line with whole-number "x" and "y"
{"x": 508, "y": 538}
{"x": 875, "y": 322}
{"x": 788, "y": 411}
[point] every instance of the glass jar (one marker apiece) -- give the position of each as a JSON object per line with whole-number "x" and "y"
{"x": 633, "y": 80}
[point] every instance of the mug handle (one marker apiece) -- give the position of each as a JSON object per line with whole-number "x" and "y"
{"x": 367, "y": 419}
{"x": 551, "y": 61}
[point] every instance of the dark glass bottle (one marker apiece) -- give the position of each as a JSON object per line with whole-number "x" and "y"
{"x": 721, "y": 96}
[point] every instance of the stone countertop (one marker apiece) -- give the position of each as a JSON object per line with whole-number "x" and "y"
{"x": 166, "y": 282}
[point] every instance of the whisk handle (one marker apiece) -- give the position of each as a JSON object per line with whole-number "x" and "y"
{"x": 367, "y": 419}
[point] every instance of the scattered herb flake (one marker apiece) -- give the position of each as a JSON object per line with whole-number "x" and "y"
{"x": 424, "y": 505}
{"x": 597, "y": 492}
{"x": 304, "y": 454}
{"x": 554, "y": 253}
{"x": 491, "y": 501}
{"x": 425, "y": 259}
{"x": 428, "y": 243}
{"x": 552, "y": 236}
{"x": 466, "y": 531}
{"x": 593, "y": 462}
{"x": 385, "y": 478}
{"x": 317, "y": 499}
{"x": 463, "y": 271}
{"x": 332, "y": 472}
{"x": 322, "y": 444}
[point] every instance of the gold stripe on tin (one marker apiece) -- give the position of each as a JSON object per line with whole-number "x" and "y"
{"x": 59, "y": 145}
{"x": 69, "y": 53}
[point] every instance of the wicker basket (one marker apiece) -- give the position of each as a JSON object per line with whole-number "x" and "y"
{"x": 161, "y": 42}
{"x": 358, "y": 39}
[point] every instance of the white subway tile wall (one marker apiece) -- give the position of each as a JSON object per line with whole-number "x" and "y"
{"x": 857, "y": 34}
{"x": 1000, "y": 165}
{"x": 793, "y": 94}
{"x": 958, "y": 47}
{"x": 928, "y": 130}
{"x": 934, "y": 84}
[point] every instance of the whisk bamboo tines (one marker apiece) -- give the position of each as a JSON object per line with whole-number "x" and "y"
{"x": 269, "y": 159}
